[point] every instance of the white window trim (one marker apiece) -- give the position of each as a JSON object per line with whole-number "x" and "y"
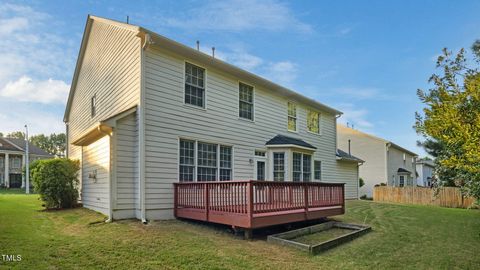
{"x": 205, "y": 92}
{"x": 195, "y": 160}
{"x": 296, "y": 117}
{"x": 254, "y": 102}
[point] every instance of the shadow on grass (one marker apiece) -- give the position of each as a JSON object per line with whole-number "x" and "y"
{"x": 10, "y": 191}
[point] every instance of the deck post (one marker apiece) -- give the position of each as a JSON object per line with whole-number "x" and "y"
{"x": 206, "y": 200}
{"x": 175, "y": 199}
{"x": 250, "y": 202}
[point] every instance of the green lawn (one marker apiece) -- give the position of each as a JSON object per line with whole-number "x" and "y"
{"x": 403, "y": 236}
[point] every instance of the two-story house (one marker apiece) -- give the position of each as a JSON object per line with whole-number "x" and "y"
{"x": 425, "y": 172}
{"x": 385, "y": 161}
{"x": 12, "y": 161}
{"x": 145, "y": 112}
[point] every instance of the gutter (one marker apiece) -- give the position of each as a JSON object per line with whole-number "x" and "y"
{"x": 146, "y": 41}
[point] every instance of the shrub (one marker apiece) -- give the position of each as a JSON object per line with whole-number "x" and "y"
{"x": 56, "y": 180}
{"x": 361, "y": 182}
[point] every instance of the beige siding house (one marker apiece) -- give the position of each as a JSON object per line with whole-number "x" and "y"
{"x": 385, "y": 161}
{"x": 145, "y": 112}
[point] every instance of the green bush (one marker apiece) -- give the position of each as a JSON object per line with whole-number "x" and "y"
{"x": 361, "y": 182}
{"x": 56, "y": 180}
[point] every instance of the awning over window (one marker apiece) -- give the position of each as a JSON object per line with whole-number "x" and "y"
{"x": 285, "y": 141}
{"x": 403, "y": 171}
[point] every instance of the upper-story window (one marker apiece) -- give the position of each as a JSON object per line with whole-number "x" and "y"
{"x": 313, "y": 121}
{"x": 194, "y": 85}
{"x": 245, "y": 101}
{"x": 93, "y": 105}
{"x": 292, "y": 116}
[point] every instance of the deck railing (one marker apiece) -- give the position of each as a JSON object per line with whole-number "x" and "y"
{"x": 256, "y": 197}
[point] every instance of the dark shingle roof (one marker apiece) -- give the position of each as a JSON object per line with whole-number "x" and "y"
{"x": 20, "y": 143}
{"x": 282, "y": 140}
{"x": 6, "y": 145}
{"x": 402, "y": 170}
{"x": 346, "y": 156}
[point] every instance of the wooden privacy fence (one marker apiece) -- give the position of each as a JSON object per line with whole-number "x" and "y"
{"x": 446, "y": 197}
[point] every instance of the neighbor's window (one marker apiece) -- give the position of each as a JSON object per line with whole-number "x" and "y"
{"x": 194, "y": 85}
{"x": 278, "y": 166}
{"x": 401, "y": 180}
{"x": 187, "y": 157}
{"x": 245, "y": 101}
{"x": 93, "y": 105}
{"x": 313, "y": 121}
{"x": 317, "y": 169}
{"x": 209, "y": 165}
{"x": 16, "y": 163}
{"x": 225, "y": 163}
{"x": 292, "y": 116}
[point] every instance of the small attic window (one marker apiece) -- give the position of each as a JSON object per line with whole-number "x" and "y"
{"x": 93, "y": 105}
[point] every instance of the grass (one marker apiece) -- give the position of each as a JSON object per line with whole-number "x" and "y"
{"x": 322, "y": 236}
{"x": 403, "y": 236}
{"x": 13, "y": 191}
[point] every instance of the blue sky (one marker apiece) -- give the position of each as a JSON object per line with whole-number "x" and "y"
{"x": 365, "y": 58}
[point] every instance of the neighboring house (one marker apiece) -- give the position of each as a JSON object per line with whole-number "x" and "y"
{"x": 425, "y": 172}
{"x": 385, "y": 161}
{"x": 12, "y": 160}
{"x": 145, "y": 112}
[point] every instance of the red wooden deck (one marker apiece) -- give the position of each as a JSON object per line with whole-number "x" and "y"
{"x": 255, "y": 204}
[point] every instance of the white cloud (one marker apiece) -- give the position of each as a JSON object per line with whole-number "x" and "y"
{"x": 27, "y": 90}
{"x": 355, "y": 116}
{"x": 32, "y": 60}
{"x": 238, "y": 15}
{"x": 39, "y": 121}
{"x": 283, "y": 72}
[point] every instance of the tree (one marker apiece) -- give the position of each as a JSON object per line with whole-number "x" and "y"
{"x": 1, "y": 134}
{"x": 451, "y": 120}
{"x": 54, "y": 144}
{"x": 16, "y": 135}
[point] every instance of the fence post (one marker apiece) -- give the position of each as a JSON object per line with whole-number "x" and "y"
{"x": 305, "y": 197}
{"x": 250, "y": 202}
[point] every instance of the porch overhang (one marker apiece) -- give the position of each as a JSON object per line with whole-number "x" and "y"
{"x": 402, "y": 171}
{"x": 93, "y": 134}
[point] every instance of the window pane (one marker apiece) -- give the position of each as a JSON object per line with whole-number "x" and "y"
{"x": 278, "y": 166}
{"x": 194, "y": 85}
{"x": 313, "y": 121}
{"x": 292, "y": 124}
{"x": 186, "y": 170}
{"x": 225, "y": 174}
{"x": 318, "y": 169}
{"x": 245, "y": 97}
{"x": 292, "y": 109}
{"x": 297, "y": 166}
{"x": 207, "y": 154}
{"x": 206, "y": 174}
{"x": 225, "y": 163}
{"x": 307, "y": 167}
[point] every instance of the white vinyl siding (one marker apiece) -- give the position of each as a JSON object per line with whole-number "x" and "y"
{"x": 110, "y": 70}
{"x": 167, "y": 121}
{"x": 126, "y": 197}
{"x": 96, "y": 160}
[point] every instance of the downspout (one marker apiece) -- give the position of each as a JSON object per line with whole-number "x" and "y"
{"x": 110, "y": 208}
{"x": 141, "y": 124}
{"x": 358, "y": 178}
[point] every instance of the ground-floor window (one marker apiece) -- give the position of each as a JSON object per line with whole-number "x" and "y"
{"x": 302, "y": 167}
{"x": 401, "y": 180}
{"x": 279, "y": 166}
{"x": 201, "y": 161}
{"x": 317, "y": 170}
